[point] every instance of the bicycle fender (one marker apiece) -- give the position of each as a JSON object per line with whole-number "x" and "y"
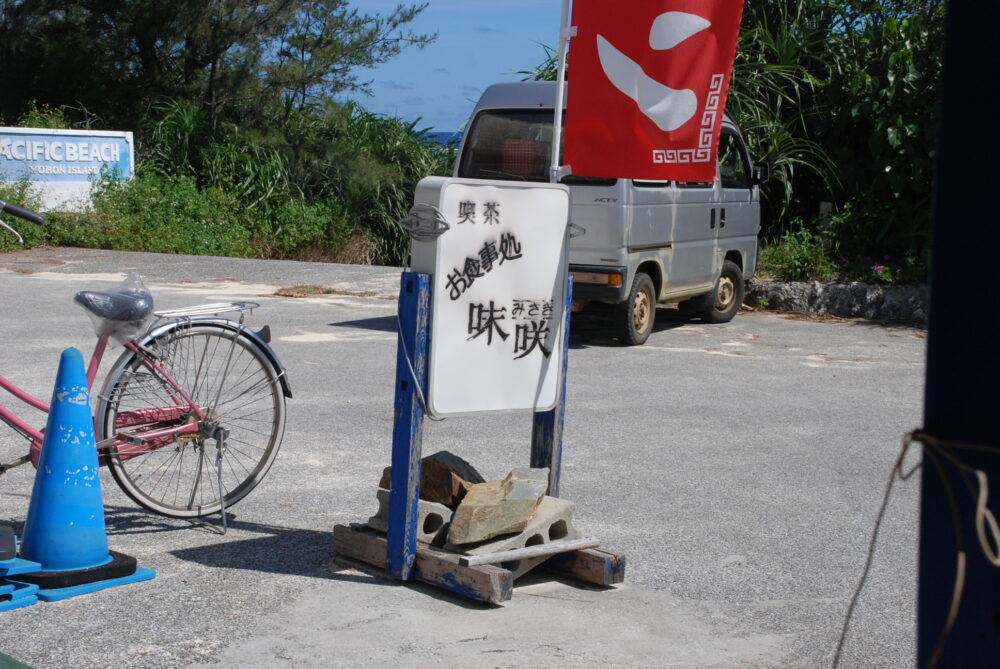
{"x": 232, "y": 326}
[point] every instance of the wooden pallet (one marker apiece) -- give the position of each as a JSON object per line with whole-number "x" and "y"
{"x": 590, "y": 565}
{"x": 484, "y": 583}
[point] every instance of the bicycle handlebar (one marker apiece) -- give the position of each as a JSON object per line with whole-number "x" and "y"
{"x": 20, "y": 212}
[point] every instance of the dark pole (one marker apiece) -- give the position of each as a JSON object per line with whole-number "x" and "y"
{"x": 962, "y": 403}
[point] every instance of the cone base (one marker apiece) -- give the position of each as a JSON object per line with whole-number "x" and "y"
{"x": 17, "y": 566}
{"x": 117, "y": 566}
{"x": 10, "y": 590}
{"x": 19, "y": 603}
{"x": 57, "y": 594}
{"x": 16, "y": 595}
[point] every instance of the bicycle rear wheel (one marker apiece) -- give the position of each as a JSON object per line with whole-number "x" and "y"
{"x": 228, "y": 375}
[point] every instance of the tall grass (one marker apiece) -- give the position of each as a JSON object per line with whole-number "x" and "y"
{"x": 780, "y": 65}
{"x": 323, "y": 183}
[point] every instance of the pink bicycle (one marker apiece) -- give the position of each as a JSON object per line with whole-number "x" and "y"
{"x": 191, "y": 415}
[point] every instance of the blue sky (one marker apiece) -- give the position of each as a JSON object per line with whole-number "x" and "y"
{"x": 480, "y": 42}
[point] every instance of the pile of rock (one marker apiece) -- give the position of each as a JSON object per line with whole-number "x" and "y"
{"x": 907, "y": 304}
{"x": 466, "y": 514}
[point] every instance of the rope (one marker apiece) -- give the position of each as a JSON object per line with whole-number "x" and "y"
{"x": 987, "y": 529}
{"x": 413, "y": 372}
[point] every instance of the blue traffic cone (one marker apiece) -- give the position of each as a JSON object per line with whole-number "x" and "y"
{"x": 64, "y": 530}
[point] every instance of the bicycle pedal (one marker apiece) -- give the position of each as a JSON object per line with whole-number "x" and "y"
{"x": 130, "y": 439}
{"x": 105, "y": 444}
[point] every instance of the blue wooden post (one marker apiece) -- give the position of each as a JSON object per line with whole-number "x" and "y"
{"x": 408, "y": 420}
{"x": 547, "y": 428}
{"x": 963, "y": 360}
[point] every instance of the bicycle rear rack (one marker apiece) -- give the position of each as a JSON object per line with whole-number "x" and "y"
{"x": 213, "y": 309}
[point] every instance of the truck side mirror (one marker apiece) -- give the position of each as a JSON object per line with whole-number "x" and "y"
{"x": 761, "y": 173}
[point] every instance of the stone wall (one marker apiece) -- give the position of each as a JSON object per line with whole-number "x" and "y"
{"x": 847, "y": 300}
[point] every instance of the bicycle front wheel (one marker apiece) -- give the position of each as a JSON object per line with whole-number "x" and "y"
{"x": 232, "y": 380}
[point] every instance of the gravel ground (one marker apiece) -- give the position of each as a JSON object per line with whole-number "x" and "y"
{"x": 739, "y": 468}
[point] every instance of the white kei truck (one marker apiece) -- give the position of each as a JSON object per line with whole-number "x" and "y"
{"x": 645, "y": 242}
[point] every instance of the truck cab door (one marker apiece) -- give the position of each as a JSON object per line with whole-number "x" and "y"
{"x": 695, "y": 261}
{"x": 738, "y": 222}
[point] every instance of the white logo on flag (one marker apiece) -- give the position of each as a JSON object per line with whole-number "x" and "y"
{"x": 668, "y": 108}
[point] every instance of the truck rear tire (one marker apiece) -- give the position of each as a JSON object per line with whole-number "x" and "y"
{"x": 635, "y": 317}
{"x": 727, "y": 298}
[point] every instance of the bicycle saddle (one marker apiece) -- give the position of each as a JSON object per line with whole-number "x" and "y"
{"x": 126, "y": 305}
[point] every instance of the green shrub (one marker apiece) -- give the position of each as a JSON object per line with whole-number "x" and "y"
{"x": 21, "y": 194}
{"x": 44, "y": 116}
{"x": 165, "y": 214}
{"x": 798, "y": 255}
{"x": 884, "y": 269}
{"x": 293, "y": 228}
{"x": 72, "y": 229}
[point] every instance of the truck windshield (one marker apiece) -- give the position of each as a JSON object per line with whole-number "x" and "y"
{"x": 513, "y": 144}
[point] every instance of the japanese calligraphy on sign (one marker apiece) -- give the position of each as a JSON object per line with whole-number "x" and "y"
{"x": 530, "y": 331}
{"x": 467, "y": 213}
{"x": 459, "y": 280}
{"x": 499, "y": 294}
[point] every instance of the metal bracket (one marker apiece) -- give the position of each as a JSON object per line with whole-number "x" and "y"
{"x": 424, "y": 223}
{"x": 213, "y": 430}
{"x": 213, "y": 309}
{"x": 561, "y": 171}
{"x": 20, "y": 239}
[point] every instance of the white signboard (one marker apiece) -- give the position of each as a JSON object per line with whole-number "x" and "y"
{"x": 63, "y": 164}
{"x": 499, "y": 294}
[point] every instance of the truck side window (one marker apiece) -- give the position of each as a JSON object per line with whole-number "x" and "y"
{"x": 734, "y": 172}
{"x": 514, "y": 145}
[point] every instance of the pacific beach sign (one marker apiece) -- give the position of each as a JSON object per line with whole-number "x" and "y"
{"x": 63, "y": 164}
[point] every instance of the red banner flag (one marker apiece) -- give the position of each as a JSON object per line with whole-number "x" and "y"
{"x": 647, "y": 87}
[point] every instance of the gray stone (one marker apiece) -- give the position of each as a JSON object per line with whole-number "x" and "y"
{"x": 444, "y": 478}
{"x": 499, "y": 507}
{"x": 432, "y": 519}
{"x": 846, "y": 300}
{"x": 552, "y": 521}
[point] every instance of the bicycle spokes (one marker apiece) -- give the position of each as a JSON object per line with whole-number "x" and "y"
{"x": 235, "y": 402}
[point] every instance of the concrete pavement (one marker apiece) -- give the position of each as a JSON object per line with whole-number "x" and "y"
{"x": 739, "y": 467}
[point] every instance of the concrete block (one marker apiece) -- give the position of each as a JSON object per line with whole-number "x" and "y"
{"x": 552, "y": 521}
{"x": 432, "y": 519}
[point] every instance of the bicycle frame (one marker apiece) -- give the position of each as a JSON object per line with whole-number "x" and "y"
{"x": 125, "y": 447}
{"x": 142, "y": 409}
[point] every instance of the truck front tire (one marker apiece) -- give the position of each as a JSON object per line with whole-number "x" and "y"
{"x": 636, "y": 316}
{"x": 727, "y": 298}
